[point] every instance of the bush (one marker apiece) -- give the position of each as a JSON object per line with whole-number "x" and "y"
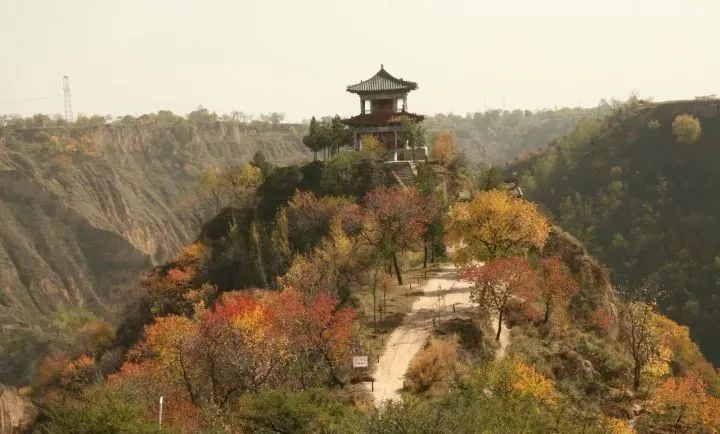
{"x": 308, "y": 411}
{"x": 436, "y": 366}
{"x": 99, "y": 412}
{"x": 686, "y": 129}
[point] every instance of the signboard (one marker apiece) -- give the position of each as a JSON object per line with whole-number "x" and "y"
{"x": 360, "y": 361}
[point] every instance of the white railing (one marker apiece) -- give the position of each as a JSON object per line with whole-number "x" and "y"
{"x": 408, "y": 154}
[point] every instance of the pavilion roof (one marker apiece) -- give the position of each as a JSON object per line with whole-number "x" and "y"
{"x": 382, "y": 81}
{"x": 382, "y": 118}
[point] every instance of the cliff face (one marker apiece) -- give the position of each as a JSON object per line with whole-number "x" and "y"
{"x": 596, "y": 290}
{"x": 84, "y": 212}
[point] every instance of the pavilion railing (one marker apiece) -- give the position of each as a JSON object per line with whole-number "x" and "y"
{"x": 407, "y": 154}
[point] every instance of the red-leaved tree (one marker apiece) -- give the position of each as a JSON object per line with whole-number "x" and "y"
{"x": 397, "y": 219}
{"x": 499, "y": 283}
{"x": 557, "y": 285}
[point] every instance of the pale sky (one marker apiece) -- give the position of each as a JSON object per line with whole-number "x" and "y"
{"x": 297, "y": 56}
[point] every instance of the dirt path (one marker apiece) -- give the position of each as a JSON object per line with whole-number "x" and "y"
{"x": 439, "y": 295}
{"x": 504, "y": 340}
{"x": 436, "y": 302}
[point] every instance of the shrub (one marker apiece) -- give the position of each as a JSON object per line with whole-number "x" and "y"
{"x": 307, "y": 411}
{"x": 686, "y": 129}
{"x": 99, "y": 411}
{"x": 438, "y": 364}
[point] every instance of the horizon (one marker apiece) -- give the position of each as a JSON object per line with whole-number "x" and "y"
{"x": 223, "y": 55}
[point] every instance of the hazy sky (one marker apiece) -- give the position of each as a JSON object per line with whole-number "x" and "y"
{"x": 297, "y": 57}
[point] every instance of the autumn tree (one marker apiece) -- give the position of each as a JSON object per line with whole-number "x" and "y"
{"x": 233, "y": 185}
{"x": 445, "y": 149}
{"x": 336, "y": 263}
{"x": 494, "y": 224}
{"x": 687, "y": 129}
{"x": 640, "y": 336}
{"x": 370, "y": 144}
{"x": 685, "y": 358}
{"x": 96, "y": 336}
{"x": 682, "y": 405}
{"x": 526, "y": 380}
{"x": 242, "y": 344}
{"x": 309, "y": 217}
{"x": 500, "y": 283}
{"x": 556, "y": 286}
{"x": 319, "y": 335}
{"x": 397, "y": 221}
{"x": 174, "y": 288}
{"x": 235, "y": 350}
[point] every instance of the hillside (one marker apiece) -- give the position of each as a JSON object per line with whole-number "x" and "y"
{"x": 85, "y": 211}
{"x": 255, "y": 326}
{"x": 499, "y": 136}
{"x": 644, "y": 202}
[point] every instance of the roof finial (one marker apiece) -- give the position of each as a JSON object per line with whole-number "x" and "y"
{"x": 382, "y": 66}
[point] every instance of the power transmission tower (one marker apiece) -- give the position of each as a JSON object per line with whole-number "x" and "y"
{"x": 68, "y": 102}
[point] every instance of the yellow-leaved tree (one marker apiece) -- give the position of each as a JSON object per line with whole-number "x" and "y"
{"x": 528, "y": 381}
{"x": 685, "y": 357}
{"x": 445, "y": 150}
{"x": 493, "y": 225}
{"x": 682, "y": 405}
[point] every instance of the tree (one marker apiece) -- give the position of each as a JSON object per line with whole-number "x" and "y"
{"x": 310, "y": 217}
{"x": 97, "y": 336}
{"x": 313, "y": 139}
{"x": 329, "y": 134}
{"x": 557, "y": 286}
{"x": 445, "y": 148}
{"x": 414, "y": 134}
{"x": 681, "y": 405}
{"x": 526, "y": 380}
{"x": 687, "y": 129}
{"x": 686, "y": 358}
{"x": 499, "y": 283}
{"x": 336, "y": 263}
{"x": 340, "y": 134}
{"x": 640, "y": 336}
{"x": 319, "y": 336}
{"x": 370, "y": 144}
{"x": 232, "y": 185}
{"x": 494, "y": 224}
{"x": 397, "y": 221}
{"x": 260, "y": 161}
{"x": 236, "y": 349}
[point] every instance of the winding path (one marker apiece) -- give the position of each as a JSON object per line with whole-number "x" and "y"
{"x": 438, "y": 296}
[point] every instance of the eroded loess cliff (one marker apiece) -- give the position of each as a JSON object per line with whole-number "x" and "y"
{"x": 84, "y": 211}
